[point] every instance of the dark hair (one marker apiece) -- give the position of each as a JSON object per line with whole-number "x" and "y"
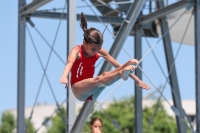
{"x": 95, "y": 119}
{"x": 91, "y": 35}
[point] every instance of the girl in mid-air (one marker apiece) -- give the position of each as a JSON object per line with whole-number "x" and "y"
{"x": 81, "y": 63}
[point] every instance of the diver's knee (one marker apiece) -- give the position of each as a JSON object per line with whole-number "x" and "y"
{"x": 99, "y": 81}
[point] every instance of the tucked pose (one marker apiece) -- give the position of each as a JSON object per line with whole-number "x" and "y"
{"x": 81, "y": 63}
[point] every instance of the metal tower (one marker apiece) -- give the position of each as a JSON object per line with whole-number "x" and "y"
{"x": 133, "y": 24}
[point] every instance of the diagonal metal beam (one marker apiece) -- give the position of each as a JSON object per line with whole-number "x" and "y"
{"x": 82, "y": 117}
{"x": 124, "y": 7}
{"x": 105, "y": 9}
{"x": 124, "y": 31}
{"x": 33, "y": 6}
{"x": 165, "y": 11}
{"x": 172, "y": 71}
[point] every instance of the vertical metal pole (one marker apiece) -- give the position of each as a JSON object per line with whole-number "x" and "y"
{"x": 150, "y": 6}
{"x": 21, "y": 69}
{"x": 197, "y": 61}
{"x": 71, "y": 42}
{"x": 173, "y": 77}
{"x": 138, "y": 92}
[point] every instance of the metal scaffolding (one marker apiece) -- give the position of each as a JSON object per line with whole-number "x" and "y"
{"x": 133, "y": 24}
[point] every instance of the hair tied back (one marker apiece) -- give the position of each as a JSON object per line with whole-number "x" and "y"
{"x": 83, "y": 23}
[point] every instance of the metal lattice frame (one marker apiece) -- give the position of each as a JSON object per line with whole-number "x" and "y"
{"x": 109, "y": 16}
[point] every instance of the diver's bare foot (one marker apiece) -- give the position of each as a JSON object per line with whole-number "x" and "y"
{"x": 132, "y": 62}
{"x": 143, "y": 85}
{"x": 126, "y": 71}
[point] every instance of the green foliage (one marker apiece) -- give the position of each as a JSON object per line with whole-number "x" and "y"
{"x": 120, "y": 112}
{"x": 162, "y": 122}
{"x": 119, "y": 117}
{"x": 58, "y": 125}
{"x": 123, "y": 112}
{"x": 29, "y": 126}
{"x": 7, "y": 122}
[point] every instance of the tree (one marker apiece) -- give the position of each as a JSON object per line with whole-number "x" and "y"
{"x": 122, "y": 111}
{"x": 7, "y": 122}
{"x": 58, "y": 125}
{"x": 29, "y": 128}
{"x": 119, "y": 117}
{"x": 162, "y": 122}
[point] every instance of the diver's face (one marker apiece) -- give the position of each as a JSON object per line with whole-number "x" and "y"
{"x": 91, "y": 49}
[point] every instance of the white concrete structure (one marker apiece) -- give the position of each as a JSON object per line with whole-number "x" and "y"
{"x": 177, "y": 31}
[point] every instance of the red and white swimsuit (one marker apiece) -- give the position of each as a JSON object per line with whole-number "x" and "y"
{"x": 83, "y": 68}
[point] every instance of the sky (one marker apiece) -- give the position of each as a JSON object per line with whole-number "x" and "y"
{"x": 48, "y": 27}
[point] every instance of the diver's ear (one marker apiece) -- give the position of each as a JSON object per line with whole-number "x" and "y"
{"x": 84, "y": 42}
